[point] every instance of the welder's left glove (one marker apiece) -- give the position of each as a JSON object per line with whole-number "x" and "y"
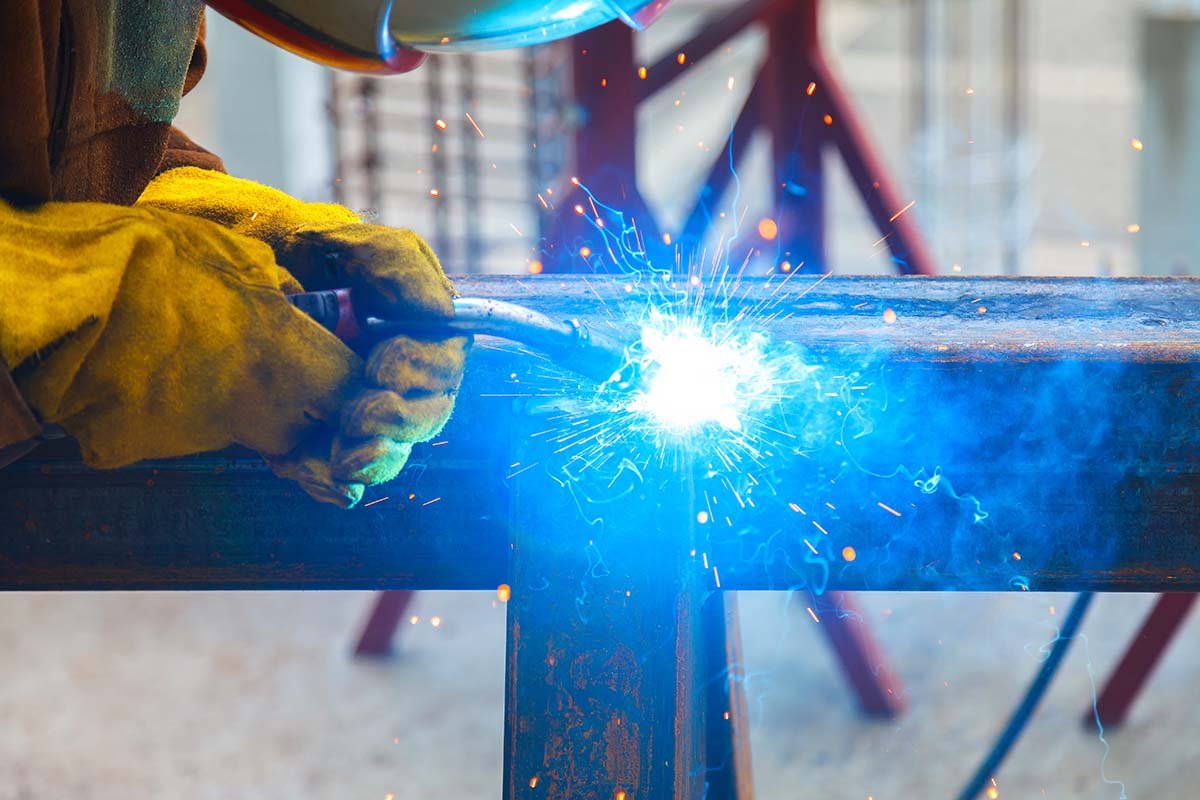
{"x": 409, "y": 386}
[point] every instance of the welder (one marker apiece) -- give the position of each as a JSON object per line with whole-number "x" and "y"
{"x": 143, "y": 292}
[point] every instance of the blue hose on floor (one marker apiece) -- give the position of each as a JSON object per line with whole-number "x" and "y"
{"x": 1021, "y": 717}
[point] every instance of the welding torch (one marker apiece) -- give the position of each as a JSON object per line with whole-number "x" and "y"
{"x": 571, "y": 344}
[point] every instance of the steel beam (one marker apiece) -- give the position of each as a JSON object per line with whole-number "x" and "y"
{"x": 1065, "y": 410}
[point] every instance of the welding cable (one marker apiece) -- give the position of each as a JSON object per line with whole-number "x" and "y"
{"x": 1033, "y": 696}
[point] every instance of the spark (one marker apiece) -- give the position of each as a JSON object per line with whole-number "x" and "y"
{"x": 812, "y": 614}
{"x": 767, "y": 228}
{"x": 503, "y": 592}
{"x": 435, "y": 622}
{"x": 848, "y": 553}
{"x": 889, "y": 316}
{"x": 889, "y": 509}
{"x": 431, "y": 502}
{"x": 1133, "y": 227}
{"x": 896, "y": 216}
{"x": 1136, "y": 144}
{"x": 373, "y": 502}
{"x": 681, "y": 58}
{"x": 441, "y": 124}
{"x": 818, "y": 527}
{"x": 812, "y": 87}
{"x": 471, "y": 120}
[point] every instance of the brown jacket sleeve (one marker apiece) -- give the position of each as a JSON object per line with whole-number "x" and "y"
{"x": 63, "y": 138}
{"x": 182, "y": 151}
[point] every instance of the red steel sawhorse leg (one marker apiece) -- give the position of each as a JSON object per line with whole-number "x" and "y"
{"x": 384, "y": 619}
{"x": 1140, "y": 659}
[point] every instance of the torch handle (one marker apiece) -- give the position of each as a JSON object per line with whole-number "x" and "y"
{"x": 334, "y": 310}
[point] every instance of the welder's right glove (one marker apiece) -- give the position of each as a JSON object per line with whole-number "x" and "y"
{"x": 150, "y": 334}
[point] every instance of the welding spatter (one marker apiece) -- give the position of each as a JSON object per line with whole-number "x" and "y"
{"x": 570, "y": 344}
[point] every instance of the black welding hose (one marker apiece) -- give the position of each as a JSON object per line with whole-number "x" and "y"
{"x": 1033, "y": 696}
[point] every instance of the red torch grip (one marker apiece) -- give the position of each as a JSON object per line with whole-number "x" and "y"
{"x": 334, "y": 310}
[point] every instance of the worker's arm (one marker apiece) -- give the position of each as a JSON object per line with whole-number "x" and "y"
{"x": 146, "y": 333}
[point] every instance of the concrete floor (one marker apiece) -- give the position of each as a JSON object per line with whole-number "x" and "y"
{"x": 224, "y": 695}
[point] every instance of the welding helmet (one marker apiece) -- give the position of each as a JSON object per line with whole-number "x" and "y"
{"x": 394, "y": 35}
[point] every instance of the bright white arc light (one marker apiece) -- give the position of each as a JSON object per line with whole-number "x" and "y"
{"x": 692, "y": 380}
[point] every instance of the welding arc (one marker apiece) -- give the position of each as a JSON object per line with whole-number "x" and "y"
{"x": 1033, "y": 696}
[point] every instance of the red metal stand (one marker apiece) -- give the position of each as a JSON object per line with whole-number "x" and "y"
{"x": 384, "y": 619}
{"x": 797, "y": 98}
{"x": 866, "y": 670}
{"x": 1140, "y": 659}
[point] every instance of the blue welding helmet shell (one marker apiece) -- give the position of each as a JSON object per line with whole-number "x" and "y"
{"x": 394, "y": 35}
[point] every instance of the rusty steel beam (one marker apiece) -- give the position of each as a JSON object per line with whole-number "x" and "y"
{"x": 1060, "y": 414}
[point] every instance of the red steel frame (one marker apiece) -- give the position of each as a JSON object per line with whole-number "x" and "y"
{"x": 1140, "y": 659}
{"x": 799, "y": 101}
{"x": 796, "y": 98}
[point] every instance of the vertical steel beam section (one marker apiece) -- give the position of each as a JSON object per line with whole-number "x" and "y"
{"x": 1139, "y": 661}
{"x": 794, "y": 119}
{"x": 727, "y": 732}
{"x": 606, "y": 101}
{"x": 604, "y": 697}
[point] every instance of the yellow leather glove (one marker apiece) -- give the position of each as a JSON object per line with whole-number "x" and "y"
{"x": 147, "y": 334}
{"x": 410, "y": 385}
